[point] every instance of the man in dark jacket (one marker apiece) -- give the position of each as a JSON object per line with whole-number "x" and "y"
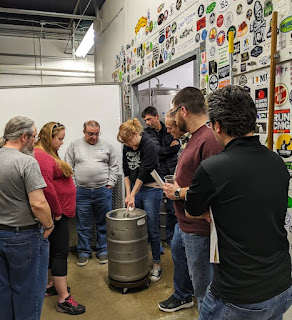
{"x": 167, "y": 150}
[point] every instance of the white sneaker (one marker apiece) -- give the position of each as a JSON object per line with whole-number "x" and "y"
{"x": 155, "y": 274}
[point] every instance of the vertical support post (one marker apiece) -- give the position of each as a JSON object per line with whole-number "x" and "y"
{"x": 272, "y": 80}
{"x": 231, "y": 50}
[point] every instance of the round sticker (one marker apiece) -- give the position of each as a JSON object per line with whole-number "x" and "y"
{"x": 161, "y": 38}
{"x": 220, "y": 38}
{"x": 213, "y": 82}
{"x": 212, "y": 51}
{"x": 204, "y": 34}
{"x": 201, "y": 10}
{"x": 232, "y": 28}
{"x": 151, "y": 26}
{"x": 160, "y": 19}
{"x": 239, "y": 9}
{"x": 212, "y": 18}
{"x": 172, "y": 51}
{"x": 197, "y": 38}
{"x": 281, "y": 94}
{"x": 165, "y": 55}
{"x": 220, "y": 21}
{"x": 178, "y": 4}
{"x": 249, "y": 14}
{"x": 165, "y": 14}
{"x": 213, "y": 34}
{"x": 284, "y": 145}
{"x": 249, "y": 1}
{"x": 223, "y": 5}
{"x": 173, "y": 27}
{"x": 228, "y": 19}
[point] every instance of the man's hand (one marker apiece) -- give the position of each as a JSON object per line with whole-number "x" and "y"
{"x": 58, "y": 218}
{"x": 205, "y": 216}
{"x": 174, "y": 143}
{"x": 130, "y": 201}
{"x": 169, "y": 189}
{"x": 109, "y": 186}
{"x": 47, "y": 232}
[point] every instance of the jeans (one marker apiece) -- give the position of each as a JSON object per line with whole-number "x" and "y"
{"x": 24, "y": 258}
{"x": 92, "y": 203}
{"x": 181, "y": 280}
{"x": 198, "y": 258}
{"x": 272, "y": 309}
{"x": 149, "y": 200}
{"x": 171, "y": 220}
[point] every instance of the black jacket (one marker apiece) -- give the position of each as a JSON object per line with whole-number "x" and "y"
{"x": 167, "y": 154}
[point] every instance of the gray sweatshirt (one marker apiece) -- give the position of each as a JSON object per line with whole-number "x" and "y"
{"x": 94, "y": 166}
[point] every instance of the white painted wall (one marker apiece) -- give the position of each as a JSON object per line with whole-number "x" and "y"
{"x": 19, "y": 71}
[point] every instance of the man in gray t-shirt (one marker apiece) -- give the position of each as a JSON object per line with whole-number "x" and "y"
{"x": 24, "y": 248}
{"x": 95, "y": 166}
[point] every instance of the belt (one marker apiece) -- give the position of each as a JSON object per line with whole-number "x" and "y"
{"x": 10, "y": 228}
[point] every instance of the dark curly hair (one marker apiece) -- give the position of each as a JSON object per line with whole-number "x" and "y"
{"x": 234, "y": 109}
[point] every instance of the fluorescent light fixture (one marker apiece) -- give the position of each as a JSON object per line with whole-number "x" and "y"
{"x": 86, "y": 44}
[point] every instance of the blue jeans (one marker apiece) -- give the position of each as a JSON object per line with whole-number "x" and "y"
{"x": 24, "y": 258}
{"x": 181, "y": 280}
{"x": 272, "y": 309}
{"x": 92, "y": 203}
{"x": 149, "y": 200}
{"x": 198, "y": 258}
{"x": 171, "y": 221}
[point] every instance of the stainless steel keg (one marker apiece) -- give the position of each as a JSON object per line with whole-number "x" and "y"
{"x": 127, "y": 241}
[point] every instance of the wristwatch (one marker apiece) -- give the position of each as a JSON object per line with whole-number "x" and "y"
{"x": 177, "y": 193}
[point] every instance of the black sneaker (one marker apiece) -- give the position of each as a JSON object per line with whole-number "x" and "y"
{"x": 173, "y": 304}
{"x": 70, "y": 306}
{"x": 155, "y": 274}
{"x": 51, "y": 291}
{"x": 82, "y": 261}
{"x": 102, "y": 258}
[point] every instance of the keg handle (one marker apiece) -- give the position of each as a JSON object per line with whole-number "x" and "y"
{"x": 126, "y": 215}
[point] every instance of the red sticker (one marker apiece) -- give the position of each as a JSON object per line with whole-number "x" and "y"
{"x": 220, "y": 21}
{"x": 220, "y": 38}
{"x": 201, "y": 24}
{"x": 281, "y": 94}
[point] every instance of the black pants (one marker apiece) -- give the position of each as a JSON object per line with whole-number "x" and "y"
{"x": 59, "y": 247}
{"x": 171, "y": 220}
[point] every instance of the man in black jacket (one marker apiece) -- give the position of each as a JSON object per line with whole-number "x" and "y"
{"x": 167, "y": 150}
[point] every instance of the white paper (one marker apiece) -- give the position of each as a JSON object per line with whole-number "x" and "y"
{"x": 214, "y": 251}
{"x": 157, "y": 178}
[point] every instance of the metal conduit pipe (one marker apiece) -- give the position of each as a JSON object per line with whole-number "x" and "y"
{"x": 89, "y": 76}
{"x": 34, "y": 56}
{"x": 36, "y": 68}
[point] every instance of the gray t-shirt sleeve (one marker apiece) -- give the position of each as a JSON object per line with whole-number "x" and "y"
{"x": 33, "y": 179}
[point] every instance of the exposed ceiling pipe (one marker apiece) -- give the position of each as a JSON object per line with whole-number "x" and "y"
{"x": 46, "y": 14}
{"x": 74, "y": 12}
{"x": 34, "y": 56}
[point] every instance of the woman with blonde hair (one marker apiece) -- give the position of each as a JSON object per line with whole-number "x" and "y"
{"x": 61, "y": 196}
{"x": 140, "y": 157}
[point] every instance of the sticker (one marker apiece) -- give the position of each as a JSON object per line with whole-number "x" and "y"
{"x": 236, "y": 48}
{"x": 212, "y": 67}
{"x": 282, "y": 121}
{"x": 249, "y": 14}
{"x": 160, "y": 19}
{"x": 204, "y": 34}
{"x": 228, "y": 19}
{"x": 232, "y": 28}
{"x": 223, "y": 72}
{"x": 282, "y": 6}
{"x": 201, "y": 10}
{"x": 203, "y": 83}
{"x": 249, "y": 1}
{"x": 172, "y": 51}
{"x": 284, "y": 145}
{"x": 242, "y": 29}
{"x": 260, "y": 78}
{"x": 290, "y": 97}
{"x": 201, "y": 24}
{"x": 261, "y": 128}
{"x": 220, "y": 38}
{"x": 203, "y": 57}
{"x": 264, "y": 60}
{"x": 243, "y": 67}
{"x": 213, "y": 34}
{"x": 246, "y": 44}
{"x": 165, "y": 15}
{"x": 224, "y": 83}
{"x": 160, "y": 59}
{"x": 242, "y": 80}
{"x": 281, "y": 71}
{"x": 159, "y": 9}
{"x": 197, "y": 37}
{"x": 263, "y": 115}
{"x": 211, "y": 7}
{"x": 286, "y": 25}
{"x": 261, "y": 99}
{"x": 165, "y": 55}
{"x": 220, "y": 21}
{"x": 268, "y": 7}
{"x": 239, "y": 9}
{"x": 256, "y": 51}
{"x": 244, "y": 56}
{"x": 156, "y": 52}
{"x": 223, "y": 5}
{"x": 186, "y": 32}
{"x": 281, "y": 94}
{"x": 212, "y": 18}
{"x": 203, "y": 46}
{"x": 212, "y": 51}
{"x": 213, "y": 82}
{"x": 161, "y": 39}
{"x": 173, "y": 27}
{"x": 223, "y": 55}
{"x": 178, "y": 4}
{"x": 203, "y": 68}
{"x": 258, "y": 26}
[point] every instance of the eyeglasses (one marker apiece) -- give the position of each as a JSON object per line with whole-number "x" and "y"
{"x": 172, "y": 113}
{"x": 57, "y": 125}
{"x": 91, "y": 134}
{"x": 208, "y": 124}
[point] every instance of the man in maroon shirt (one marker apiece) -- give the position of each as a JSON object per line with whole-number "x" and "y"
{"x": 190, "y": 116}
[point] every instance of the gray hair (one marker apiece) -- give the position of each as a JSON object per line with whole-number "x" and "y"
{"x": 90, "y": 123}
{"x": 15, "y": 127}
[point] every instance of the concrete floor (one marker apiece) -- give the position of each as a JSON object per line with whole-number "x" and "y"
{"x": 90, "y": 286}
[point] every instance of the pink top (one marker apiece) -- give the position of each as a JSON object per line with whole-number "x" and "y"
{"x": 60, "y": 191}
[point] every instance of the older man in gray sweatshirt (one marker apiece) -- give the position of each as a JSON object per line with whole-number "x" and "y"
{"x": 95, "y": 166}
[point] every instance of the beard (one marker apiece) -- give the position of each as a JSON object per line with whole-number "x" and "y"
{"x": 28, "y": 150}
{"x": 181, "y": 124}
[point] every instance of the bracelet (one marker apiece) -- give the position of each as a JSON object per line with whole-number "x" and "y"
{"x": 49, "y": 228}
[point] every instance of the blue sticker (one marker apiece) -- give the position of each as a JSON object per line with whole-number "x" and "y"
{"x": 161, "y": 39}
{"x": 165, "y": 55}
{"x": 204, "y": 34}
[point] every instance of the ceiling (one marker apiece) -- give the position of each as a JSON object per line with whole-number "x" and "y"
{"x": 56, "y": 19}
